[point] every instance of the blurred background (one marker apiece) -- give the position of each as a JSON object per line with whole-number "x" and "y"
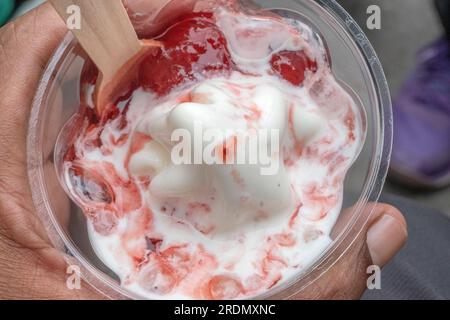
{"x": 406, "y": 27}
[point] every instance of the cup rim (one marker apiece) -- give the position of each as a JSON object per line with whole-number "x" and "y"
{"x": 371, "y": 192}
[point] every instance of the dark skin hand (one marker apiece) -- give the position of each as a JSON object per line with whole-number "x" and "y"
{"x": 30, "y": 267}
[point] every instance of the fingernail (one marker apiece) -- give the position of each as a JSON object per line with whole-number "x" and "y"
{"x": 385, "y": 238}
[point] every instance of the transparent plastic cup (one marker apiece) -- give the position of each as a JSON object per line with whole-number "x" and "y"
{"x": 354, "y": 63}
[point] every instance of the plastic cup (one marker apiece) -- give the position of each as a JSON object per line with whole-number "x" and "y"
{"x": 354, "y": 63}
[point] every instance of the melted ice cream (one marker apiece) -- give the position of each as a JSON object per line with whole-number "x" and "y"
{"x": 215, "y": 231}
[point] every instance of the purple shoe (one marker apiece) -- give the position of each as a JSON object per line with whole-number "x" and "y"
{"x": 421, "y": 154}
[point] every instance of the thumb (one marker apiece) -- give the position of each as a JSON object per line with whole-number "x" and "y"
{"x": 380, "y": 240}
{"x": 386, "y": 234}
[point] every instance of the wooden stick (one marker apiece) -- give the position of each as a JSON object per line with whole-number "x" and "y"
{"x": 106, "y": 33}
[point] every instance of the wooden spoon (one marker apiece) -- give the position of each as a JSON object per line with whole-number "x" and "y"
{"x": 108, "y": 37}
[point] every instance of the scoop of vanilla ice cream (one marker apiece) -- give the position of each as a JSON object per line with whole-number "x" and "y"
{"x": 252, "y": 187}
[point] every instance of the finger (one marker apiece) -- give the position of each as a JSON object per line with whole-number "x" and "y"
{"x": 380, "y": 240}
{"x": 25, "y": 47}
{"x": 386, "y": 234}
{"x": 150, "y": 18}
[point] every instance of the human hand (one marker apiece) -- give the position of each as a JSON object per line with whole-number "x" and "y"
{"x": 30, "y": 267}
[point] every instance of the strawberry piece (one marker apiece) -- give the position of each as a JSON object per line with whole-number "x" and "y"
{"x": 90, "y": 187}
{"x": 192, "y": 48}
{"x": 292, "y": 66}
{"x": 157, "y": 278}
{"x": 105, "y": 222}
{"x": 224, "y": 287}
